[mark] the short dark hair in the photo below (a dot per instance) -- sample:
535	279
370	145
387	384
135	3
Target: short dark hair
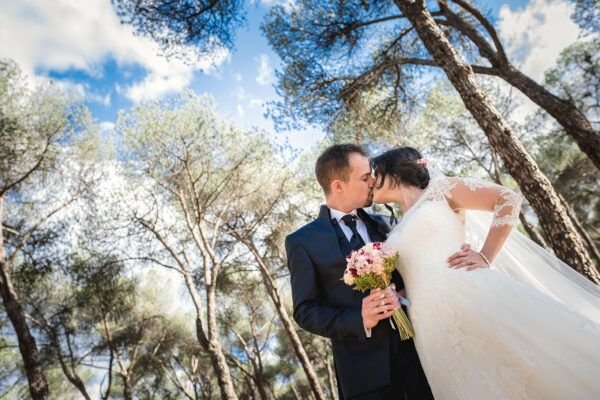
333	163
401	167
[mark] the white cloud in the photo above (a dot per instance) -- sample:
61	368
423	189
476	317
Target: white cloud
255	102
288	4
237	77
156	84
240	93
536	34
105	100
76	90
265	71
64	34
107	126
241	111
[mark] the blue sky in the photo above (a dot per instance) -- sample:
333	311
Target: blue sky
81	46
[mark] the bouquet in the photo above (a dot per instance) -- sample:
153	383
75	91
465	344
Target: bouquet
371	267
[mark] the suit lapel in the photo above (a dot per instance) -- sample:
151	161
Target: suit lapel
343	242
377	230
330	239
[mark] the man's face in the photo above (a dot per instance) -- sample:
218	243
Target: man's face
358	190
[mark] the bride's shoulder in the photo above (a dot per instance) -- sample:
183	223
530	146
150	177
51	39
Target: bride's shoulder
441	187
442	181
447	183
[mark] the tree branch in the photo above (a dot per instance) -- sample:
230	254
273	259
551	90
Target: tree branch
163	241
376	71
111	359
32	169
40	222
487	25
479	69
455	21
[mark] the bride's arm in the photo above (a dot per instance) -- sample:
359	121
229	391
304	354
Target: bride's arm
472	194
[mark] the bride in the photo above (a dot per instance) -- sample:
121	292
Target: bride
527	327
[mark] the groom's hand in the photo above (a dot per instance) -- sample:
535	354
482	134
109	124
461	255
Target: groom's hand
378	305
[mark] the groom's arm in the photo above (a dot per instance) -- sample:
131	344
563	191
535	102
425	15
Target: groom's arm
397	280
309	312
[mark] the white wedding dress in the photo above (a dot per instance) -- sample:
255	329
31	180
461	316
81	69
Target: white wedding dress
488	333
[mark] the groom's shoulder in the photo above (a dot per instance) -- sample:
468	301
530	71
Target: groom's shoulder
378	217
305	230
381	219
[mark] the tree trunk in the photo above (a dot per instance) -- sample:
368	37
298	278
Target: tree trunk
210	342
127	390
259	374
251	388
111	357
536	187
531	231
70	374
331	379
288	325
295	391
261	387
38	386
587	240
564	112
214	347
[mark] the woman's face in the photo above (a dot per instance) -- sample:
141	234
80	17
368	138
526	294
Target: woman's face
385	193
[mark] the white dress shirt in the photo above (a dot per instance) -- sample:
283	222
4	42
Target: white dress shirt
360	225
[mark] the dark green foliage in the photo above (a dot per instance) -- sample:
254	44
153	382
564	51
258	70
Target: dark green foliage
587	14
182	25
341	58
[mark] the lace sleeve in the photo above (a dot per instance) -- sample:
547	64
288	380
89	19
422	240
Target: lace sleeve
474	194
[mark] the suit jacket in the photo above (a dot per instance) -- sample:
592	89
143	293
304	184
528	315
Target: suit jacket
326	306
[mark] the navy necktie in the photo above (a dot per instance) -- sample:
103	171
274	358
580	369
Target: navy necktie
356	241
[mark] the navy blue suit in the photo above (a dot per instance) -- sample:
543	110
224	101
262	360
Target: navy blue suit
375	367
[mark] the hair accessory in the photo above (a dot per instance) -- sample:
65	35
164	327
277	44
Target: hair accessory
423	162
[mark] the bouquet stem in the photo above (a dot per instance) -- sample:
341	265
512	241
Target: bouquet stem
405	328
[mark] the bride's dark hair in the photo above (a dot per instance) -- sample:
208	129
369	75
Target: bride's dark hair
400	165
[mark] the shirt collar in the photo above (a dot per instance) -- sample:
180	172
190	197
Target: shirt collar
337	214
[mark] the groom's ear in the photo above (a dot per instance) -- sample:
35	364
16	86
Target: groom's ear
336	186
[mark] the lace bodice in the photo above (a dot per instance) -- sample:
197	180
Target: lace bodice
506	203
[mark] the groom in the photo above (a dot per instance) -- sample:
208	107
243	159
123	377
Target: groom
371	361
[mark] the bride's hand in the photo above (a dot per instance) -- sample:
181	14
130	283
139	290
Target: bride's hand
467	258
